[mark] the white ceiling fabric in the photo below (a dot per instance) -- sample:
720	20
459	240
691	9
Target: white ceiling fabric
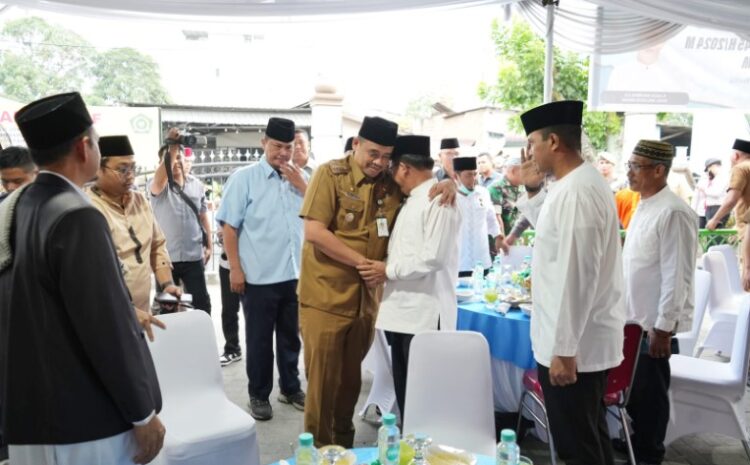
587	28
628	24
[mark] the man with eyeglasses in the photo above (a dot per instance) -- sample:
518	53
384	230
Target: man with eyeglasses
658	263
139	241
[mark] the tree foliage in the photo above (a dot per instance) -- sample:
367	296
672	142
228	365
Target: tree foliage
520	79
118	71
41	59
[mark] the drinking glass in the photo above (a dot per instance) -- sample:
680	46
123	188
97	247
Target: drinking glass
333	454
419	442
491	294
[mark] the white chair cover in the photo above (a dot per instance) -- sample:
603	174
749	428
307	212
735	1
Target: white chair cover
733	266
378	361
688	339
202	425
723	304
449	390
708	396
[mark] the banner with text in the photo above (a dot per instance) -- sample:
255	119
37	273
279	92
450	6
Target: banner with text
698	68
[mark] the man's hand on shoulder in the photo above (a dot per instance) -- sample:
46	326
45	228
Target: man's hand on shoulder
446	187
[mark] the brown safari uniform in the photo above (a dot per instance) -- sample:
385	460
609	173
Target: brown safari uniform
740	180
337	310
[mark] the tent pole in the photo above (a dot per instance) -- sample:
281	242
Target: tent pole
549	55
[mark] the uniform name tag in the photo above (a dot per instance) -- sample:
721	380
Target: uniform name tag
382	227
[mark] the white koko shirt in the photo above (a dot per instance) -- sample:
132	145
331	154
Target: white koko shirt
422	266
577	283
659	262
478	220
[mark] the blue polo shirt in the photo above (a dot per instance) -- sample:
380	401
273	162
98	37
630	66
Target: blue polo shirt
264	208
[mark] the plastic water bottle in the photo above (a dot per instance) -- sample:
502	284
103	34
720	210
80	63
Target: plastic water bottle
388	441
496	269
306	453
477	278
497	265
508	452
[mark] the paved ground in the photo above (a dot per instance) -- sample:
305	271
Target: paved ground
276	437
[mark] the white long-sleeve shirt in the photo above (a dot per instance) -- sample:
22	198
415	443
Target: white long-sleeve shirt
659	263
422	266
576	274
478	220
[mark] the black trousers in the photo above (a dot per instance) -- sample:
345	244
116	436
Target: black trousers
648	405
230	308
193	278
400	343
267	308
577	418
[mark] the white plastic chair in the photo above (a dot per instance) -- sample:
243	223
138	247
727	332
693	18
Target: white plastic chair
449	390
723	305
202	425
688	339
708	396
378	361
516	254
733	266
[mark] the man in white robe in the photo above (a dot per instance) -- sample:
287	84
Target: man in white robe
478	219
659	263
420	291
579	308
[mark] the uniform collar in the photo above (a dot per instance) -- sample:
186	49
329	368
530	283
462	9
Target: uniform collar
359	175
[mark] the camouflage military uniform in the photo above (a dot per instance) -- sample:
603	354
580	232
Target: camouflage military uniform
504	196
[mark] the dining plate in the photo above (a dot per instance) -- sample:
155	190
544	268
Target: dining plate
444	455
464	295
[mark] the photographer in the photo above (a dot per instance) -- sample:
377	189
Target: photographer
179	204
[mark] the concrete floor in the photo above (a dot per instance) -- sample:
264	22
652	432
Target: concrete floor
277	436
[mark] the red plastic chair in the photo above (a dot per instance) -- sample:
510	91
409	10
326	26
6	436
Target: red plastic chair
616	394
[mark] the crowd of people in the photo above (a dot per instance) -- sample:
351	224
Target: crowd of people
320	256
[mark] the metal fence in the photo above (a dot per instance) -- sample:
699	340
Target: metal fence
706	237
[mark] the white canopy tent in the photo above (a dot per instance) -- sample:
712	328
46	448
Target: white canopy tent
591	26
731	15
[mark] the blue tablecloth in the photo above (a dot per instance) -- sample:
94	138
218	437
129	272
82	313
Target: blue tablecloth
507	335
366	455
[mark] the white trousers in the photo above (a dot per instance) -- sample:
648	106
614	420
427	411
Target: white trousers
114	450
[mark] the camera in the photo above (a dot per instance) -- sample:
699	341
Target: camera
188	140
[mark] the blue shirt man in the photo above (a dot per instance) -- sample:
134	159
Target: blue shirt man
263	242
264	209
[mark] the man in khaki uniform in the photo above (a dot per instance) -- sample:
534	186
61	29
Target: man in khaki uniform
738	191
349	210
